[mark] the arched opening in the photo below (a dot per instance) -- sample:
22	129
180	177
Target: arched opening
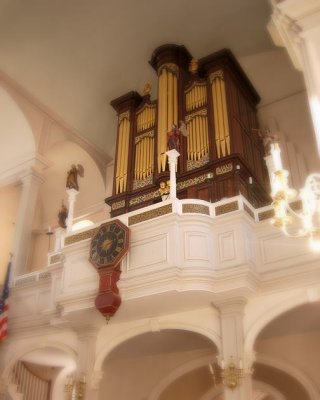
42	373
288	354
168	364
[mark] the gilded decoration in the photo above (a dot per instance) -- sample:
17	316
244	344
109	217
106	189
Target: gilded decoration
193	66
224	169
149	134
192	182
195	208
173	68
25	280
147	89
266	215
124	115
43	276
144	197
201	113
140	183
248	210
226	208
145	216
55	258
216	75
80	236
118	204
193	164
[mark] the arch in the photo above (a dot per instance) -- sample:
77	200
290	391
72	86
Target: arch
268	389
177	373
20	353
294	372
15	128
266	317
131	333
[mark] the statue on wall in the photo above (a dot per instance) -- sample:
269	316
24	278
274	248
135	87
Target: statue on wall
72	176
174	135
62	216
164	190
267	139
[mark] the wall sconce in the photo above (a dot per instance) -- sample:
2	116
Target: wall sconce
230	376
75	388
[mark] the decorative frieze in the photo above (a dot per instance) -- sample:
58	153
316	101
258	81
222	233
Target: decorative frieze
145	216
226	208
224	169
118	204
80	236
195	208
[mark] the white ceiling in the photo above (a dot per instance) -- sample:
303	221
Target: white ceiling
77	55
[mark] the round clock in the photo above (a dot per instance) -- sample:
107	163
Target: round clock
109	244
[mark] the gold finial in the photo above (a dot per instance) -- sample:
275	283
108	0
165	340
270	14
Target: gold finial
193	66
146	89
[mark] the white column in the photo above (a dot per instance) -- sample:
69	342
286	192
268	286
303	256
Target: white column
231	314
86	359
72	195
295	24
173	162
58	236
23	225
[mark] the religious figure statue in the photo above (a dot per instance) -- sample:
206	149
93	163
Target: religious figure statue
62	216
72	176
173	136
268	139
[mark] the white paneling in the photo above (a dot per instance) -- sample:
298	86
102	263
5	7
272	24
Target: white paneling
196	246
148	252
227	250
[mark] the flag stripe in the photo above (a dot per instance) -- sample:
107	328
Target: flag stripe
4	307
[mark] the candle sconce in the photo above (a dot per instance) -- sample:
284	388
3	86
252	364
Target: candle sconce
75	388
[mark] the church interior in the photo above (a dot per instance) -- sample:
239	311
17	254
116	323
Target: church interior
160	199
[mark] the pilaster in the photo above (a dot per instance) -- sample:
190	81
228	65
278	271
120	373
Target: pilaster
231	315
31	182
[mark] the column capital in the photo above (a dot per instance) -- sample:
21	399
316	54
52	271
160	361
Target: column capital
231	305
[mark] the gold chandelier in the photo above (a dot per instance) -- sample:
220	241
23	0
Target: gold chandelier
230	376
282	196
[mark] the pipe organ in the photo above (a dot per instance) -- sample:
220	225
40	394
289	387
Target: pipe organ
221	154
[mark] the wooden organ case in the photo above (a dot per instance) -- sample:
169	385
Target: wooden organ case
221	155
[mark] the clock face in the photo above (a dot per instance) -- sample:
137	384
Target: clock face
109	244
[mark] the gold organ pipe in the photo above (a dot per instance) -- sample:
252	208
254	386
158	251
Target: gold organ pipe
170	101
160	105
119	158
145	158
202	136
220	117
225	116
216	120
140	160
165	119
175	99
194	140
126	153
188	141
205	119
135	160
152	153
198	137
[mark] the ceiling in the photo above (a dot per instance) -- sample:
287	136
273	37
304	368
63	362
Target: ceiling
75	56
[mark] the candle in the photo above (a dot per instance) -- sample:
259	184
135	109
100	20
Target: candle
276	157
211	369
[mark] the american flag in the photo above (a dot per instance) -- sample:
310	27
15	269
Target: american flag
4	306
